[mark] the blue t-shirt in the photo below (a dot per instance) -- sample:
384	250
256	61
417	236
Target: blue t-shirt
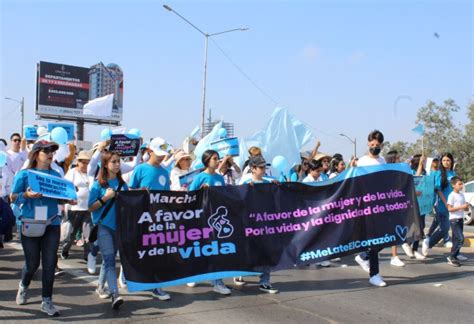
255	181
97	191
27	210
446	191
206	178
151	177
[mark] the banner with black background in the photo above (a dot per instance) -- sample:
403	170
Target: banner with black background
169	238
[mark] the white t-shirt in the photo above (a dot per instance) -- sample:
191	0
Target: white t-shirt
309	178
369	161
81	182
174	178
456	200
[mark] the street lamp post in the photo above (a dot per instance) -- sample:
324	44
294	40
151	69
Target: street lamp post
22	110
354	143
206	36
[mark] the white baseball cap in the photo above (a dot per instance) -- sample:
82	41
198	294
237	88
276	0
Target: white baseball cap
159	146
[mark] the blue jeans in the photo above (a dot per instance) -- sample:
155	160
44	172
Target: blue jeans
265	277
443	231
46	249
458	236
108	248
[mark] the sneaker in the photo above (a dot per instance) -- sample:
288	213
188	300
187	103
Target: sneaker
268	289
117	301
395	261
103	292
448	244
91	264
48	308
419	256
191	284
425	246
377	280
21	297
239	281
160	294
408	250
336	260
452	261
461	257
222	289
58	271
324	264
64	255
364	264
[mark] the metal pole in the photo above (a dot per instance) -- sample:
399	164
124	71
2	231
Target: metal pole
22	113
355	147
203	112
80	130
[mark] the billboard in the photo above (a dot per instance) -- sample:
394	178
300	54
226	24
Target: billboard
63	90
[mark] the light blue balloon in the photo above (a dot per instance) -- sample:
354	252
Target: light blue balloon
280	163
3	159
222	132
134	133
59	135
105	134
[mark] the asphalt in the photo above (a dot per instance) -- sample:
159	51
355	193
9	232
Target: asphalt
429	291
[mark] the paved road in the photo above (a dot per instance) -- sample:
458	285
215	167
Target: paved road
422	292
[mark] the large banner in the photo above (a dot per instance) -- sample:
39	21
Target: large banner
169	238
62	89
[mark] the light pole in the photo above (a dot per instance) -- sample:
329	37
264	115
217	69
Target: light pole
22	110
354	143
206	36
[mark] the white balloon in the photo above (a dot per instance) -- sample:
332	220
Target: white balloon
41	130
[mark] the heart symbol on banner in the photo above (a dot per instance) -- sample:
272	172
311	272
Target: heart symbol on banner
226	230
402	232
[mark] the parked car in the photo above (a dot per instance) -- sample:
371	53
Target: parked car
469	194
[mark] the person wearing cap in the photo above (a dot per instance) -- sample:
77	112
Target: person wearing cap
258	166
34	205
181	167
208	178
152	176
79	215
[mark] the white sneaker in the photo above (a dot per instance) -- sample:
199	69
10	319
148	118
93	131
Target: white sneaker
364	264
395	261
377	281
419	256
448	244
408	250
222	289
160	294
425	246
239	281
324	264
336	260
191	284
461	257
91	264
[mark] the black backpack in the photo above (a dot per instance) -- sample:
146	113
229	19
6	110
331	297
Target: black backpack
7	219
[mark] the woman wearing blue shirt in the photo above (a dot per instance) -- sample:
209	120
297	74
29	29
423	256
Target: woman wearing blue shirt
208	178
443	189
109	181
34	205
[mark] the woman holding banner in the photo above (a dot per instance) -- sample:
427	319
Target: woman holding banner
209	177
36	247
102	206
181	167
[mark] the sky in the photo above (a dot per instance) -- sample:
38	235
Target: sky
340	66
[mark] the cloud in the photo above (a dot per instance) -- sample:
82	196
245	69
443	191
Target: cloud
311	52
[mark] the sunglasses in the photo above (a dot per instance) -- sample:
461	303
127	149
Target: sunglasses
16	140
47	150
83	161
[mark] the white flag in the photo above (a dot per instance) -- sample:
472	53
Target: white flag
100	107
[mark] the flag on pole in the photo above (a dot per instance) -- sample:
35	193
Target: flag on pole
100	107
420	129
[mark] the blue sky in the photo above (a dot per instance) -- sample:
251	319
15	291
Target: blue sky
338	65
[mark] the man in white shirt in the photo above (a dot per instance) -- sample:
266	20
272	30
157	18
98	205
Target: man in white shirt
370	261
